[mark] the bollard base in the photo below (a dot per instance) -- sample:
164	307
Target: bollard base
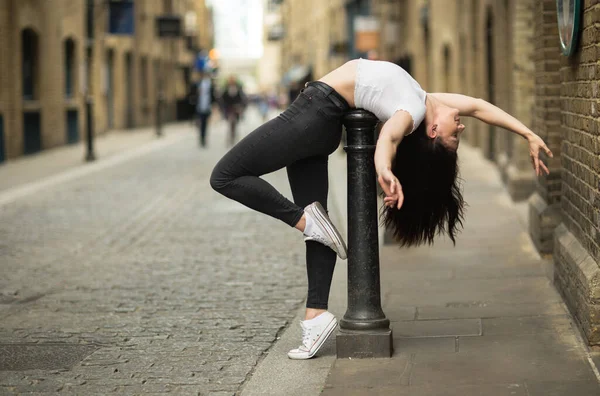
364	344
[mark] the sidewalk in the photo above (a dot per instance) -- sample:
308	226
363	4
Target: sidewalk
48	163
481	318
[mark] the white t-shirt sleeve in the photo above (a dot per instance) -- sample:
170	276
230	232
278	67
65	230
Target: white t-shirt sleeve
416	109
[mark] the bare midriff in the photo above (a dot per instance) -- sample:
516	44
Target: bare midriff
343	80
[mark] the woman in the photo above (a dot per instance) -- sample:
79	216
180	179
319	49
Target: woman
415	160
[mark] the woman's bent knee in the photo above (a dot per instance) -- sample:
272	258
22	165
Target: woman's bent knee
218	180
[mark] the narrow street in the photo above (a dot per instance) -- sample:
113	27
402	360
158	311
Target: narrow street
139	278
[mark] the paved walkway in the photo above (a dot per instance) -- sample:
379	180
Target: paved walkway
481	318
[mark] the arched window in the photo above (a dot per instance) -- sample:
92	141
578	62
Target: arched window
30	66
69	68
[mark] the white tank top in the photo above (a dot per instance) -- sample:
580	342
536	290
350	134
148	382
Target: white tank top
383	88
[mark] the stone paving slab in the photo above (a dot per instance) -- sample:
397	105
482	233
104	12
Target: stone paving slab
528	325
430	345
436	292
484	390
437	328
494	359
488	309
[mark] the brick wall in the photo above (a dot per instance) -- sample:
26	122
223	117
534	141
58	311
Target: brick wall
581	143
577	239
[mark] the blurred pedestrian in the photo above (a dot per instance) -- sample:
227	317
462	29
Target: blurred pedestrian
234	103
204	100
415	160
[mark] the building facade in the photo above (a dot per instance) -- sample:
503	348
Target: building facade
56	53
268	70
507	52
315	34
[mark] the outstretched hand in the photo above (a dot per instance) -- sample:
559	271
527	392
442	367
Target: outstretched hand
535	145
392	189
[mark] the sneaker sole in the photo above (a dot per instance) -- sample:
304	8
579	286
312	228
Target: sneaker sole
320	215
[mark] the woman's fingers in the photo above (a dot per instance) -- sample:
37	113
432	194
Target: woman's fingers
544	167
400	199
536	164
547	150
390	202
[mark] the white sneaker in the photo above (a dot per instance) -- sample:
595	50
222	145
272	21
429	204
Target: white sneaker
314	336
323	231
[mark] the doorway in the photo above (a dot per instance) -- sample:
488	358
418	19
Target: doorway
32	136
72	127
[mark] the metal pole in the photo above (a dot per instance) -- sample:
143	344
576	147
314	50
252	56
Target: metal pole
158	113
364	330
89	123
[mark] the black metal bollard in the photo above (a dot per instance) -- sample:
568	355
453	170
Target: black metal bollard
364	331
89	127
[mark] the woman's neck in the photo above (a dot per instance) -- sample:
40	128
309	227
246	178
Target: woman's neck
431	105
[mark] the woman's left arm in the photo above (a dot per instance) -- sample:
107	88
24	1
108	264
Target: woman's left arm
490	114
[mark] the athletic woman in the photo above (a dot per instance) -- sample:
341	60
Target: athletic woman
415	161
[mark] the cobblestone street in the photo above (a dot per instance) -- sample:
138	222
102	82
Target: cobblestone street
139	278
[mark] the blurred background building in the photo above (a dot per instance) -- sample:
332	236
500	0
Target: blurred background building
505	51
53	53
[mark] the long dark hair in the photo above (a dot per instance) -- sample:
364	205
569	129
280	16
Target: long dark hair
433	202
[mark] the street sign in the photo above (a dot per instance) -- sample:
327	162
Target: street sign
168	26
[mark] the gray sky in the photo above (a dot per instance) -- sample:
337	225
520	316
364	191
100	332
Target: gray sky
238	27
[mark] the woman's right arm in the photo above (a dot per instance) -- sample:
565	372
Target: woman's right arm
390	137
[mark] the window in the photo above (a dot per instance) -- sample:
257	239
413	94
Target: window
69	67
121	17
29	53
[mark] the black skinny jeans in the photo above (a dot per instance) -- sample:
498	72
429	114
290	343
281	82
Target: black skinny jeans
299	139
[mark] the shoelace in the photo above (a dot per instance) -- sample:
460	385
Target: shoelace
319	238
306	336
